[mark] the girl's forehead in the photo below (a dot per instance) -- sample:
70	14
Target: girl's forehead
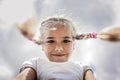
59	27
53	29
59	32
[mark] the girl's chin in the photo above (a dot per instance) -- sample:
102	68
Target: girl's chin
59	59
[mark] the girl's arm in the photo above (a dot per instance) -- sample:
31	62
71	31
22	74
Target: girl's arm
88	75
27	74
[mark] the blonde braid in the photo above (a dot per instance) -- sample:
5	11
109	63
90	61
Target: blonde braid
86	36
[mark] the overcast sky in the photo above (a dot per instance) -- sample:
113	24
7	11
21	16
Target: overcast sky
87	15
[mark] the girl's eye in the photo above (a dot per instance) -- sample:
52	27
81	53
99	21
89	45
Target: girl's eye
50	41
66	41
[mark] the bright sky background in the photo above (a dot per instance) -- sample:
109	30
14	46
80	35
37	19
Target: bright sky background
87	15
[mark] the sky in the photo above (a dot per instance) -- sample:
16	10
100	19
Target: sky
87	16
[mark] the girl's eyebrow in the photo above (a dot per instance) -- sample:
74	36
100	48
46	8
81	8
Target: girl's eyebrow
66	37
50	37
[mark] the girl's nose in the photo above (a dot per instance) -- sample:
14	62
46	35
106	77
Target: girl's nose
59	48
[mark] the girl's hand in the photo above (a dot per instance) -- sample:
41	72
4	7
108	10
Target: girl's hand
89	75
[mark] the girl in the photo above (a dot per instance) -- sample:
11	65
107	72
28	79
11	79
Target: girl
57	41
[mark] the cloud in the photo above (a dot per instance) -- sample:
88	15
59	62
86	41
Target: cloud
12	11
90	12
7	71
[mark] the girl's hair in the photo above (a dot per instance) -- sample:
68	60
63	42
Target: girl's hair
54	21
112	34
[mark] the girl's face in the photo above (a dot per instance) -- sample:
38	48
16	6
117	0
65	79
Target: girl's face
58	44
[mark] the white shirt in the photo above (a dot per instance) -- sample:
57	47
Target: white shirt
47	70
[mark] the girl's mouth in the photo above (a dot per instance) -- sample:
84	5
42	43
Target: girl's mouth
59	54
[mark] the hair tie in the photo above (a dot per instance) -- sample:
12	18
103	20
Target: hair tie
94	35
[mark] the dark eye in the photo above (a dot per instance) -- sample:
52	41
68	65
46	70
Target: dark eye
50	41
66	41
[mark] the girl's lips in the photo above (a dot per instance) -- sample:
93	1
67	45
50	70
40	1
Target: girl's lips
58	54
